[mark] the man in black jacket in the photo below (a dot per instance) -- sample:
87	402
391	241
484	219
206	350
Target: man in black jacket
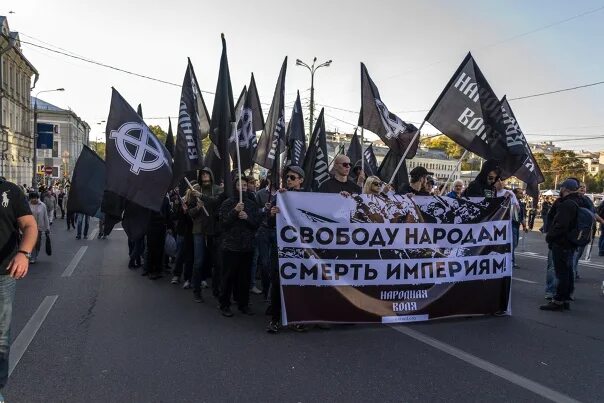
239	222
564	221
484	183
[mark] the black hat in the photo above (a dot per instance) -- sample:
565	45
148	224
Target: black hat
418	172
295	169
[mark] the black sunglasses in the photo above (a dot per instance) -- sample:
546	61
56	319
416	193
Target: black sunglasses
377	183
292	177
345	164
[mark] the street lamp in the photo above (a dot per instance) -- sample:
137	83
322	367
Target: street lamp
34	182
312	70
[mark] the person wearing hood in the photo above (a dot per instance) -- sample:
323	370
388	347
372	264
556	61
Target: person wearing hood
203	209
484	183
239	222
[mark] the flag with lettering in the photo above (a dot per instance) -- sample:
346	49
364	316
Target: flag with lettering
354	151
520	163
469	113
272	138
187	152
139	167
376	117
371	165
249	119
223	115
316	163
295	137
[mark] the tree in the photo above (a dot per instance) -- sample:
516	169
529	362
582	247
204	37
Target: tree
99	148
442	142
159	133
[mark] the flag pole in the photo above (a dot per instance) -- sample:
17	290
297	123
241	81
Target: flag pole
362	154
454	170
334	157
191	187
234	132
400	163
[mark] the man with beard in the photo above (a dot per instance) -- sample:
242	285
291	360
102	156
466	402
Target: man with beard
239	222
418	182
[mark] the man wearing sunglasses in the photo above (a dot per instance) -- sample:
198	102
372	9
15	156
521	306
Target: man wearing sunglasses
294	177
484	183
340	182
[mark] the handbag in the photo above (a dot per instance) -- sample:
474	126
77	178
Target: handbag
48	245
170	245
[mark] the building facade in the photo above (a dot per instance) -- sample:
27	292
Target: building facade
70	135
16	127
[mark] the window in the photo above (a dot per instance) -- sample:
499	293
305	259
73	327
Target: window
55	149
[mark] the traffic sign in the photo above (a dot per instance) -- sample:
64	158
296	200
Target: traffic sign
48	170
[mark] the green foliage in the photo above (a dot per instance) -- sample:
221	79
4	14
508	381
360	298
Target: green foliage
445	144
98	147
159	133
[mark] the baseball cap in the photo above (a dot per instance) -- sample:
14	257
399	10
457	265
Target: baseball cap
295	169
418	172
571	184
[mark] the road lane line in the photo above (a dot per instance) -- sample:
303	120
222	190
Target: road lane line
93	234
21	343
496	370
74	262
581	262
523	280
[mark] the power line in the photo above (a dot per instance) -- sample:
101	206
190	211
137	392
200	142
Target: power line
557	91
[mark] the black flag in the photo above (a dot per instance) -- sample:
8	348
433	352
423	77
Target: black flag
188	153
520	163
138	164
249	120
272	138
469	113
139	110
295	137
87	184
354	151
387	168
376	117
170	139
316	163
371	166
223	114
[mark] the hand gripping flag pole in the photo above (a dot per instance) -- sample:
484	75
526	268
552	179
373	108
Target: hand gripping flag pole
191	187
444	188
400	163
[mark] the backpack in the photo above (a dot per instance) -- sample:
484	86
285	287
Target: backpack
582	233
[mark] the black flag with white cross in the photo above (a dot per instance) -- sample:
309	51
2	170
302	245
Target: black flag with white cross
376	117
248	113
316	162
520	162
295	137
187	152
138	165
469	113
272	138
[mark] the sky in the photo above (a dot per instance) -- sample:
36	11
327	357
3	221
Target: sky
411	49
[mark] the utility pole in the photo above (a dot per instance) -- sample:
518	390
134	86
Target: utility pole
312	70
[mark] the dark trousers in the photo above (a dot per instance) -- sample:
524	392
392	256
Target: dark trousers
70	220
184	257
265	238
136	250
62	209
214	253
235	278
563	266
275	285
7	296
155	251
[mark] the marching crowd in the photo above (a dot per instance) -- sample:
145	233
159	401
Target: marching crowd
224	244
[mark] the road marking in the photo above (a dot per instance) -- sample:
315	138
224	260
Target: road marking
581	262
523	280
19	346
496	370
93	234
74	262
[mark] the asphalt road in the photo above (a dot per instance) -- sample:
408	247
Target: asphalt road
110	335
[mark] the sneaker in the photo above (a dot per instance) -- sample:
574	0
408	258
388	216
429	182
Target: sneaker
131	264
78	237
273	327
256	291
553	306
144	273
246	311
186	285
566	305
299	328
197	297
226	311
204	284
175	280
85	236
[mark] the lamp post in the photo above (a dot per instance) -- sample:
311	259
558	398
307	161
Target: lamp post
34	181
312	70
